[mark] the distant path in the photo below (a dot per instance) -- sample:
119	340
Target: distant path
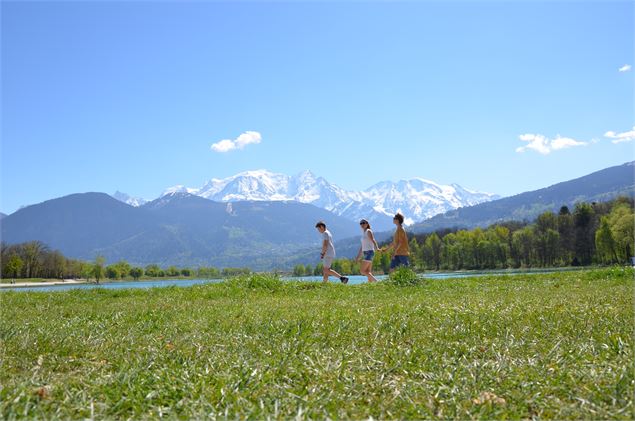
42	284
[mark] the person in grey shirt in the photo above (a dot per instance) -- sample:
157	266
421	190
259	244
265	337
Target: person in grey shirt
328	253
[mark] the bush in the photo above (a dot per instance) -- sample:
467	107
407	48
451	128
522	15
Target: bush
257	281
404	277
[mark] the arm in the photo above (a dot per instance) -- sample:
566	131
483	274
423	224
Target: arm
372	238
359	254
390	246
325	244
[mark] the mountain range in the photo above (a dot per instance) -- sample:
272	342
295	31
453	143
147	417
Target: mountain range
184	229
417	198
176	229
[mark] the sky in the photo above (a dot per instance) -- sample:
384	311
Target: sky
501	97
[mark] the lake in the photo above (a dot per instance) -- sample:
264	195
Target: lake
353	280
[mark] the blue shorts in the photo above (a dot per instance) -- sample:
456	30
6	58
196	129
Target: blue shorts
369	254
399	261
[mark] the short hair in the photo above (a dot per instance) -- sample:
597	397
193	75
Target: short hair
399	217
320	224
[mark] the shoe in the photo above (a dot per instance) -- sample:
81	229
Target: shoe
344	279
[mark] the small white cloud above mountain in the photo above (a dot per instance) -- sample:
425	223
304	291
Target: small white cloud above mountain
543	145
628	136
624	68
247	138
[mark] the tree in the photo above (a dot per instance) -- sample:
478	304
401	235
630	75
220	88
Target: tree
153	271
123	268
298	270
98	268
433	247
583	222
523	243
346	266
604	242
381	261
172	271
500	238
87	271
236	271
14	266
53	264
546	238
308	270
415	253
208	272
32	255
186	272
567	238
136	273
622	225
112	272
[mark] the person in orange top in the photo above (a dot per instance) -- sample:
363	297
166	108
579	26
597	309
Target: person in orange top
399	246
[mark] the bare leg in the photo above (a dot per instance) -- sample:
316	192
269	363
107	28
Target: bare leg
328	271
365	269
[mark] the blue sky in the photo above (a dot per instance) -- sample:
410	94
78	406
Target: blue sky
131	96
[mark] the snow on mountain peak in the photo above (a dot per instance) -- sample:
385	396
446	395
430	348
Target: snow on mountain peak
179	189
126	198
417	198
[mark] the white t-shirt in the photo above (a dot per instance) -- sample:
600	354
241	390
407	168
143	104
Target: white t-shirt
330	249
367	243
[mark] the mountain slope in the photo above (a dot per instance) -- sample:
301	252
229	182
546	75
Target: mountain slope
76	224
129	200
179	229
599	186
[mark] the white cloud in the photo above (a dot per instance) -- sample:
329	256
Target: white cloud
625	68
628	136
565	142
240	142
544	145
224	145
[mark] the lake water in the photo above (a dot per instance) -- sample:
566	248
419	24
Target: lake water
353	280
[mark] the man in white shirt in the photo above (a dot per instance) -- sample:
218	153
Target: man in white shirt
328	253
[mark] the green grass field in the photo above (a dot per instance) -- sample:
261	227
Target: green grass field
547	345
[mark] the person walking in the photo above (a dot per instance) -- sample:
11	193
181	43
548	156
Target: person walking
328	253
367	251
400	247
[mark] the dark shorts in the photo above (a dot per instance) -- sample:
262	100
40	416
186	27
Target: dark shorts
399	261
368	255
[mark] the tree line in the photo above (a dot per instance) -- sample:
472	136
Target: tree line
593	233
35	259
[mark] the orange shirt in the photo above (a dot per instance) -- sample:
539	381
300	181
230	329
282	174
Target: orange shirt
404	248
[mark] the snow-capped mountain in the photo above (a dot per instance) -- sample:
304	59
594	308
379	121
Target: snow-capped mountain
132	201
417	199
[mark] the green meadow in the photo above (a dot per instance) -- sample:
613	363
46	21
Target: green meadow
556	346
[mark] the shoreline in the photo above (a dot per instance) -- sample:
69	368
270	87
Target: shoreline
42	284
456	272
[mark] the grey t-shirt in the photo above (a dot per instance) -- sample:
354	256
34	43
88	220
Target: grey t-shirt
330	249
